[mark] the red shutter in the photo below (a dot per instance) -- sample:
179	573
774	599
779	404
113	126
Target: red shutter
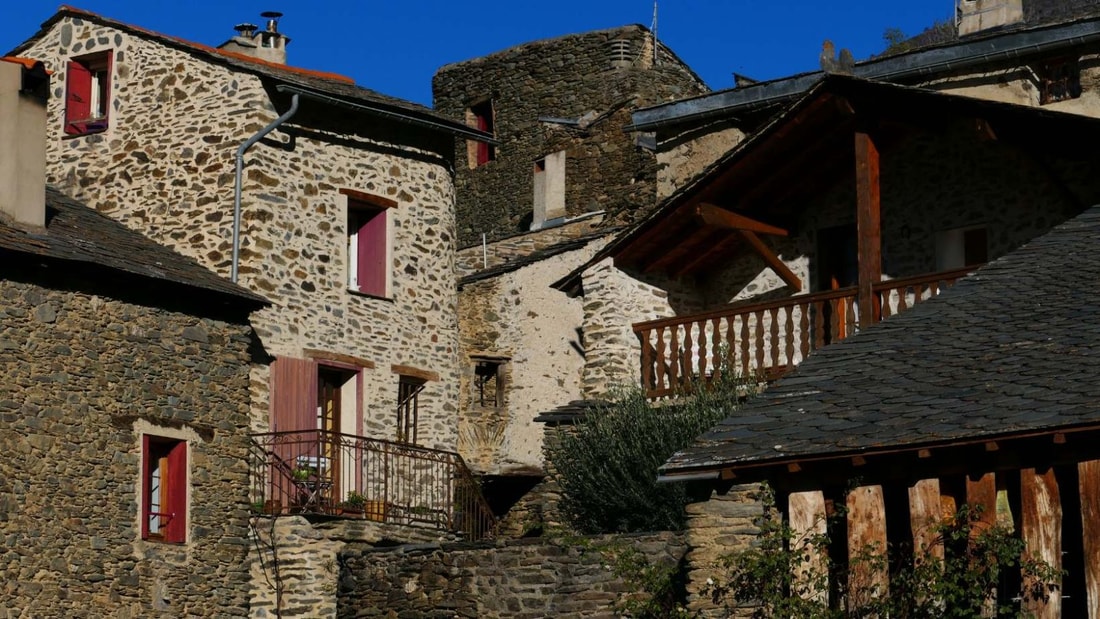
146	467
175	503
293	394
78	97
372	253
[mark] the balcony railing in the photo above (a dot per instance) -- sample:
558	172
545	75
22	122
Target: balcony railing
765	340
318	472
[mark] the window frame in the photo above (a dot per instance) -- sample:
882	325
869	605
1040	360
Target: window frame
172	489
1059	79
481	115
363	210
88	88
408	407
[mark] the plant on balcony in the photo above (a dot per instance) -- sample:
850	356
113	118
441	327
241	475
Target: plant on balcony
302	473
607	467
355	501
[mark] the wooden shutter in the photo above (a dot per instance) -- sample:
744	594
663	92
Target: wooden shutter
78	97
372	253
175	500
293	394
146	476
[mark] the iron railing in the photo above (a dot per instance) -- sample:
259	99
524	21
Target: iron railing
765	340
320	472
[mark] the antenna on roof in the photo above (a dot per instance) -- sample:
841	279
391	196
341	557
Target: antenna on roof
654	31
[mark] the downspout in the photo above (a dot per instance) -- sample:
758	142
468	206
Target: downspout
239	181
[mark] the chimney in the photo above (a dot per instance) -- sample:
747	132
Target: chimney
24	87
269	44
977	15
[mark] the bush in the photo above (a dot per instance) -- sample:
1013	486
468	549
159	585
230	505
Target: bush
607	468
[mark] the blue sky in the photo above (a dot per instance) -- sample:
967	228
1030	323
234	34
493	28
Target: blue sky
394	46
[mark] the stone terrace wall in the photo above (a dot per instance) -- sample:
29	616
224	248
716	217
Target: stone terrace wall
523	579
82	376
164	166
566	77
478	258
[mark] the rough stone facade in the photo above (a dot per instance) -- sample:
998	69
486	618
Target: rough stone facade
534	331
718	527
85	370
584	86
164	166
521	579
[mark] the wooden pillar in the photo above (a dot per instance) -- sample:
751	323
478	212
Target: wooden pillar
1088	474
925	515
868	572
1041	529
981	493
868	225
806	512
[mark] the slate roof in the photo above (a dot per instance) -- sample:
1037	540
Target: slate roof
77	233
1009	350
538	255
323	82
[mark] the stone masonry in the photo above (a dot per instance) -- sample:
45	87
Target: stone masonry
584	87
164	166
85	370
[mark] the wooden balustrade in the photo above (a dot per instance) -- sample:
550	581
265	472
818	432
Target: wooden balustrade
764	340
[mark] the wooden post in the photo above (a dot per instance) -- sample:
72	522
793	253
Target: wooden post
1041	528
981	493
1088	474
868	571
806	511
868	225
925	514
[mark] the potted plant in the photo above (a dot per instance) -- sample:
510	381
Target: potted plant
302	473
354	503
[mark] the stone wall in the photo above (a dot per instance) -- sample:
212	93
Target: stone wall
480	257
520	579
571	78
517	316
164	166
718	527
85	371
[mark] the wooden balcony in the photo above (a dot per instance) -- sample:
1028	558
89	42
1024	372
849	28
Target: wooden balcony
765	340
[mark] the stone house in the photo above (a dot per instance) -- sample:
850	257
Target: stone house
858	202
1030	52
332	200
985	395
562	178
124	403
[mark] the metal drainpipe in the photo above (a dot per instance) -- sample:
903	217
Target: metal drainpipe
239	181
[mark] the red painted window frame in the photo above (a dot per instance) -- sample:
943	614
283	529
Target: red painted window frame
78	92
368	218
483	120
174	491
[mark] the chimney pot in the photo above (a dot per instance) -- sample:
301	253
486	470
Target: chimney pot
272	18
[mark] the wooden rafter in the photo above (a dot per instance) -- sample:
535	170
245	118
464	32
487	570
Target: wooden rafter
718	217
771	259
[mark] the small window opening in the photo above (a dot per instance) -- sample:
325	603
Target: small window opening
489	382
88	93
1059	80
164	489
962	247
480	116
368	255
408	408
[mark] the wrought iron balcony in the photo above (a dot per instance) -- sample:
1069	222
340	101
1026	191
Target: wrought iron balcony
341	475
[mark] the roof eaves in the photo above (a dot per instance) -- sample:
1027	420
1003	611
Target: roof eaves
923	62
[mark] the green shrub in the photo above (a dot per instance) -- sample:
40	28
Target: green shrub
607	467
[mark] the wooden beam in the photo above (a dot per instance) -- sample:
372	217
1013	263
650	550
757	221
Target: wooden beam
772	260
1088	476
806	514
719	217
1041	530
925	515
866	538
981	493
868	225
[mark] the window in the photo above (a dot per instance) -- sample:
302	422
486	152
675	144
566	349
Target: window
549	183
480	116
88	93
408	409
368	256
489	381
961	247
164	489
1059	80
